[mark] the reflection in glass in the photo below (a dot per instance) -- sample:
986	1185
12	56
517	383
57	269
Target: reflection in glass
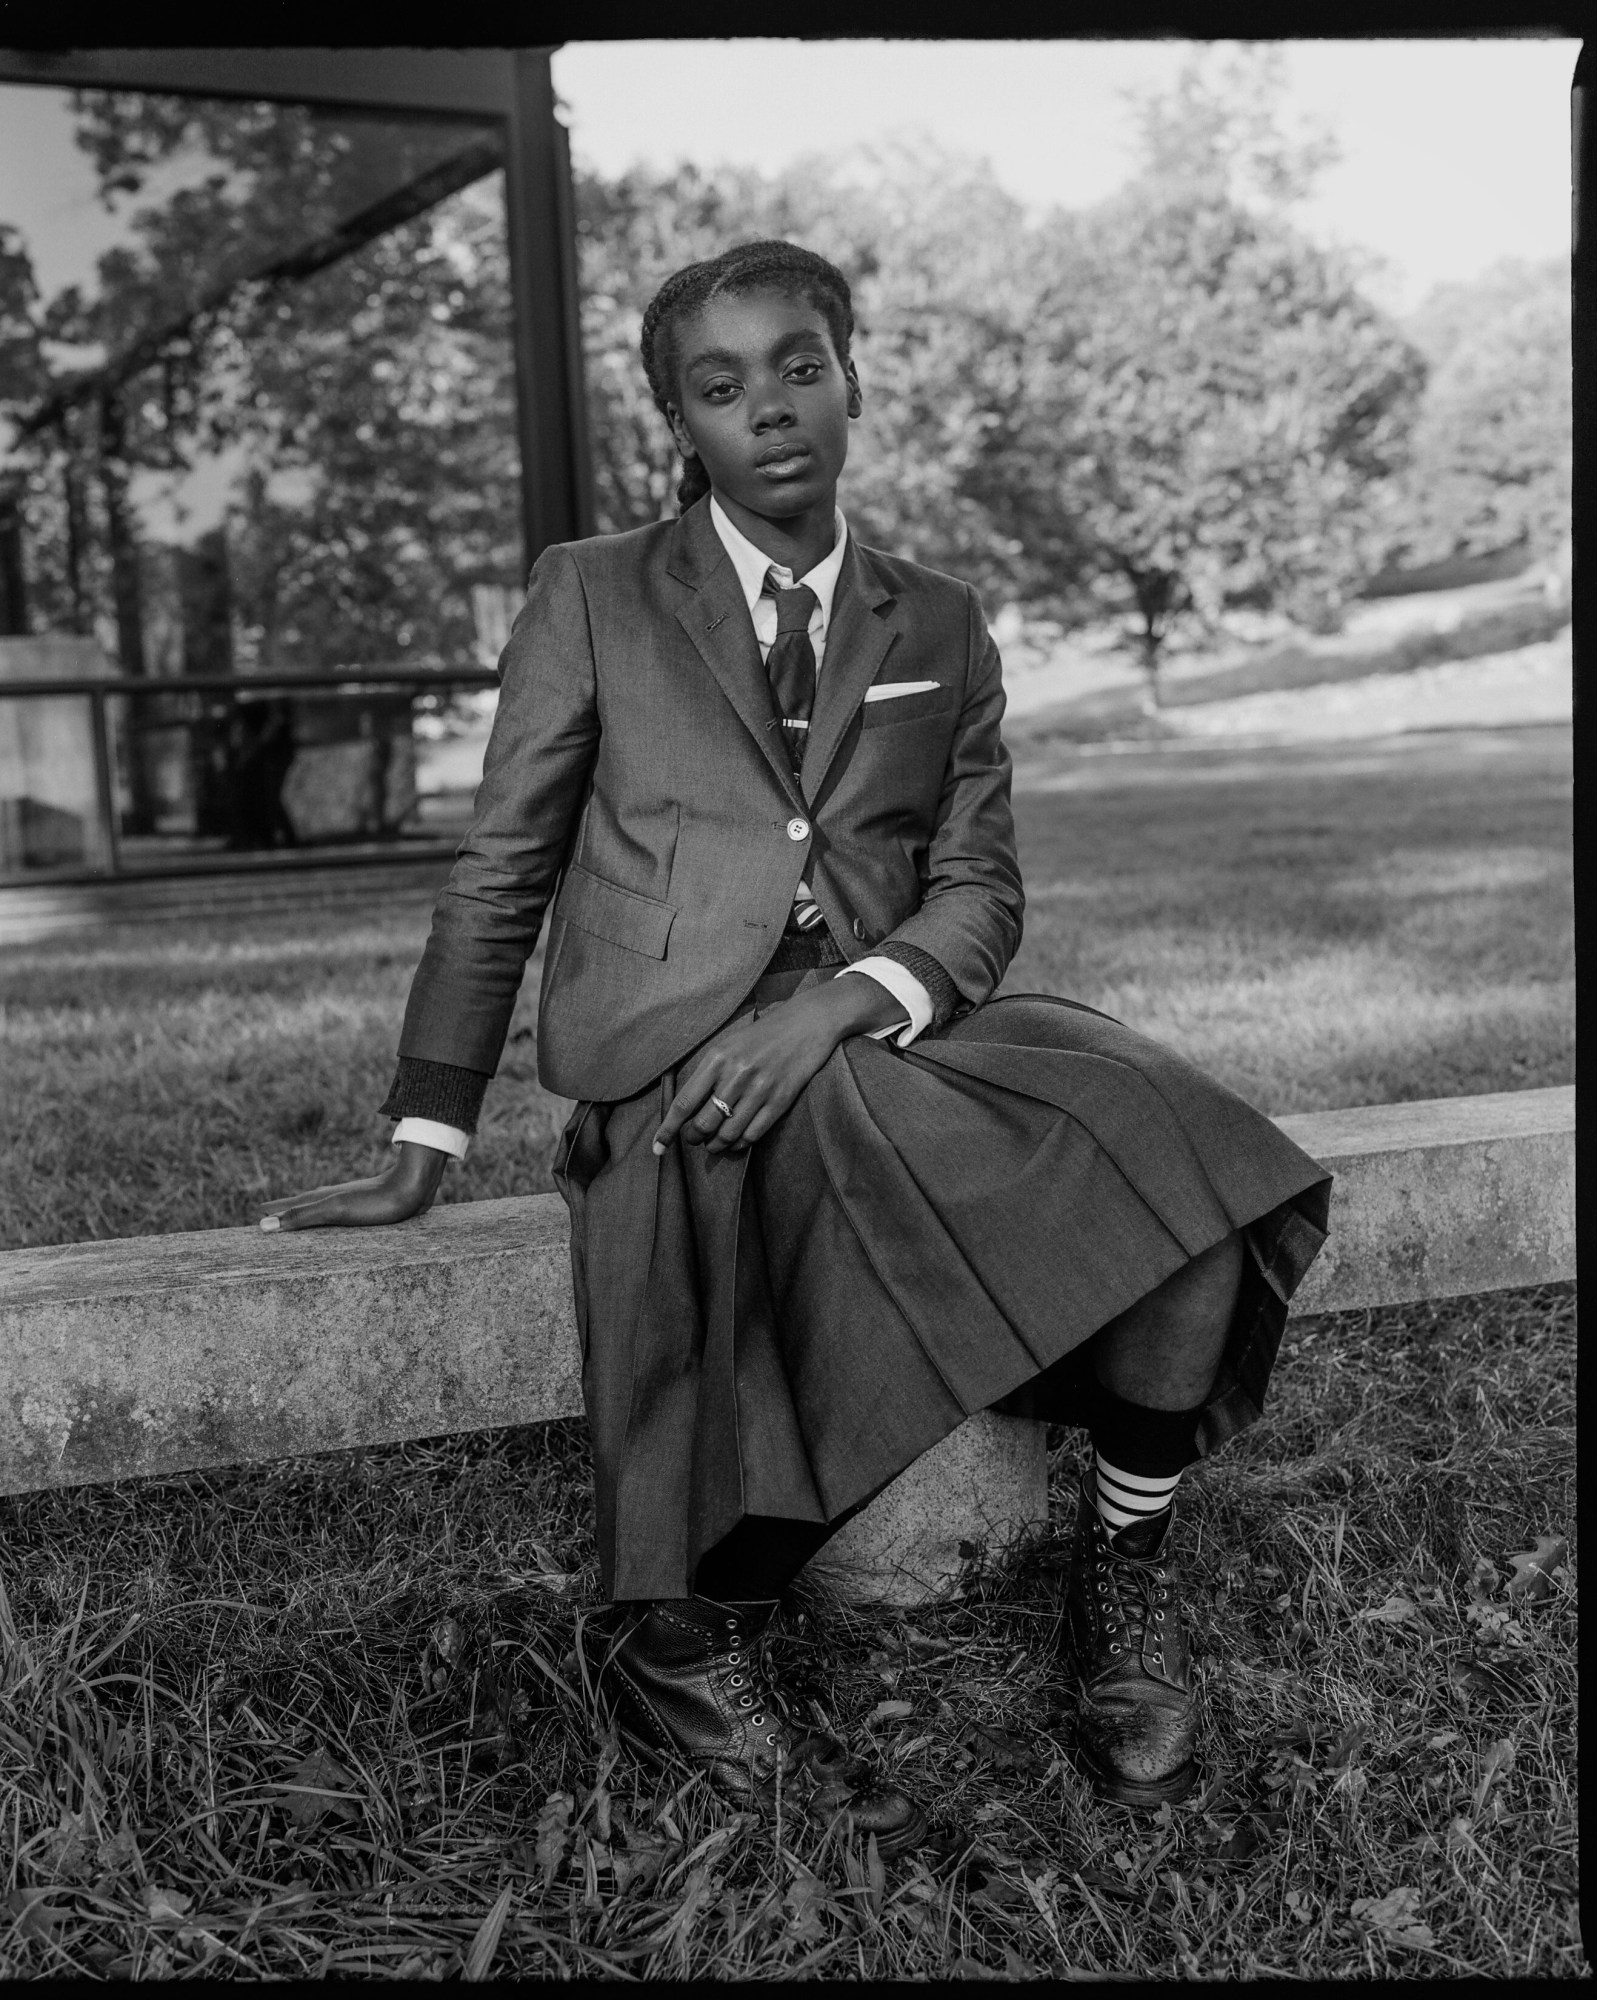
273	435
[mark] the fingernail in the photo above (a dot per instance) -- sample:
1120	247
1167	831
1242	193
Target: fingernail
659	1150
271	1222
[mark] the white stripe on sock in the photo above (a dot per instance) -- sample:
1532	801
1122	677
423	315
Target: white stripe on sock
1124	1497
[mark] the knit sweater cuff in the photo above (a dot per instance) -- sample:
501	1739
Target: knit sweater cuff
944	995
440	1091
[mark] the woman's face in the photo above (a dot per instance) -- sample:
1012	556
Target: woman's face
764	402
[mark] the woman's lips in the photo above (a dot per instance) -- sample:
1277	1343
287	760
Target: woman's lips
782	463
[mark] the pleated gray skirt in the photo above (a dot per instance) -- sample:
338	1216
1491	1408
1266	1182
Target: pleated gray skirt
781	1332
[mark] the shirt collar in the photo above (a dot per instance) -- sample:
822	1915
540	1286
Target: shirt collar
751	563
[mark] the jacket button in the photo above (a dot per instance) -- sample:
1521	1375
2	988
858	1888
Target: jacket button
798	829
860	931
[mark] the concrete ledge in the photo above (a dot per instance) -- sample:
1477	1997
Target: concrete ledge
162	1354
1443	1197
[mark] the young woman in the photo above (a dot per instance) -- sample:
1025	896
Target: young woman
828	1196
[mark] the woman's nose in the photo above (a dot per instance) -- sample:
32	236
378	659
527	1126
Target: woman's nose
771	410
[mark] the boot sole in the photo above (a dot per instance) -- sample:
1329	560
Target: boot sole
888	1845
1142	1791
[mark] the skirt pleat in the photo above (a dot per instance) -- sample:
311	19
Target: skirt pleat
927	1233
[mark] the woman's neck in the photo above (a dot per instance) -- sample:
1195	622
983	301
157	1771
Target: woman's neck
798	541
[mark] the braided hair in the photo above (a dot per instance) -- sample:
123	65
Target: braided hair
770	265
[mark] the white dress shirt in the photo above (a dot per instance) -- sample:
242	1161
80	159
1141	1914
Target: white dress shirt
752	565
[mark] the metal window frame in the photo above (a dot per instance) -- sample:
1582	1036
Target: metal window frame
514	87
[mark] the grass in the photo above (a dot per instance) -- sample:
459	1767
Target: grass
1342	927
308	1718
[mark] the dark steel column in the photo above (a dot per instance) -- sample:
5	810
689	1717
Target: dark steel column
556	475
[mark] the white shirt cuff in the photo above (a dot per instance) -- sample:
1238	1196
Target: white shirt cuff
428	1132
906	989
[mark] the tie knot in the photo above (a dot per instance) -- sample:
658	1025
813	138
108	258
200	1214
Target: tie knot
794	608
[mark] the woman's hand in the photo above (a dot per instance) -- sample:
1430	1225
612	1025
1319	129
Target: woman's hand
754	1070
402	1189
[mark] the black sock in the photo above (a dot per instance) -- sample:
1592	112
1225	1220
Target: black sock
1153	1443
759	1558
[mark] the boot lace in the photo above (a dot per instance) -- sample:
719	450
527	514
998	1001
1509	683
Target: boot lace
1134	1603
751	1693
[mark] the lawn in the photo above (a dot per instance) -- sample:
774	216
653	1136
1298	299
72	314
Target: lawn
1318	927
309	1717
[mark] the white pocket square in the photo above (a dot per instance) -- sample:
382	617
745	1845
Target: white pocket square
890	690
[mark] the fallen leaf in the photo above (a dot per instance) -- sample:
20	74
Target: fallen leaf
486	1942
1497	1763
1533	1569
804	1903
639	1863
1443	1739
1396	1918
33	1914
1397	1610
166	1906
891	1711
1239	1843
1346	1747
313	1787
1001	1748
554	1830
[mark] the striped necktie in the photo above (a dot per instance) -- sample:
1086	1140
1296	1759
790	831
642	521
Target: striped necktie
790	664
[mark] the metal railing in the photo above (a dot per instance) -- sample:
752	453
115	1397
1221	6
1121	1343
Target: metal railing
193	853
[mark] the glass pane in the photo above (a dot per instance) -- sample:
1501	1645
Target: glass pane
256	419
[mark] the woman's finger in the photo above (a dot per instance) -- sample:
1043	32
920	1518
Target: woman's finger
687	1104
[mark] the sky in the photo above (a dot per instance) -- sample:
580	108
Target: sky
1454	153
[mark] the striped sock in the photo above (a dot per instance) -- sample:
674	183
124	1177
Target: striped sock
1128	1497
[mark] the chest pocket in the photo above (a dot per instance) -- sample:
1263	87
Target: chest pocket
899	709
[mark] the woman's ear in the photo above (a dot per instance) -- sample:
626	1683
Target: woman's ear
856	395
679	432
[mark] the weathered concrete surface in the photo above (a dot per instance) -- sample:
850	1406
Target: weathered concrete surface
165	1354
1443	1197
982	1486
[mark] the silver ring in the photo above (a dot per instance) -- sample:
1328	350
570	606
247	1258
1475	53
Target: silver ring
722	1106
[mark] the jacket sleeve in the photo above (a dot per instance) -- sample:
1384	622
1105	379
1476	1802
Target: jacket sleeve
969	920
535	776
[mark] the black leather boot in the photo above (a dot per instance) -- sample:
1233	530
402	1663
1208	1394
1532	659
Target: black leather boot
685	1680
1137	1714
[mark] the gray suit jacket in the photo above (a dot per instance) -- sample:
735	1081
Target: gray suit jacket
635	775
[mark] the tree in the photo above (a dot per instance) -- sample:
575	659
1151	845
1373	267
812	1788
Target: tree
1492	461
1218	408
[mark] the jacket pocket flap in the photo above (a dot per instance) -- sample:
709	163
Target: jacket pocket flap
619	916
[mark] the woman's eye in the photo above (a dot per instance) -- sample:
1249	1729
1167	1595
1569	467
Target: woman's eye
804	371
718	392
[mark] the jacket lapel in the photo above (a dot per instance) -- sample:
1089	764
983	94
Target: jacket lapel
857	641
717	620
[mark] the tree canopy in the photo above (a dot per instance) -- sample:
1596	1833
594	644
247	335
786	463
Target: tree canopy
1172	406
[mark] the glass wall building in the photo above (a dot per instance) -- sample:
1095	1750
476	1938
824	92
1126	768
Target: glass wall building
290	397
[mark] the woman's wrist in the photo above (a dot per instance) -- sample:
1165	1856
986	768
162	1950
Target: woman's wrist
856	1007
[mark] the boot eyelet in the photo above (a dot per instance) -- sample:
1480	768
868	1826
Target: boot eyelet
736	1681
759	1721
745	1701
1114	1649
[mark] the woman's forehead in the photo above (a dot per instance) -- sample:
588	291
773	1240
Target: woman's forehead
738	325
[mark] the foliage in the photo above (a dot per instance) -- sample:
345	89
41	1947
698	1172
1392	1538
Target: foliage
1493	448
1170	408
1215	408
355	429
